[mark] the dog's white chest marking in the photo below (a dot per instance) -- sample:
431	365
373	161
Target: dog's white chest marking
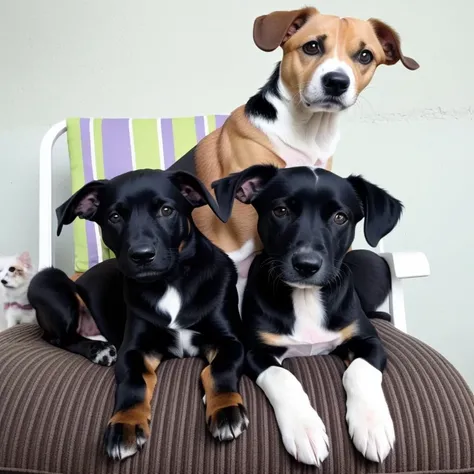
170	304
300	138
184	344
242	259
309	337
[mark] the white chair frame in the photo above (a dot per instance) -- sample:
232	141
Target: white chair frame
403	265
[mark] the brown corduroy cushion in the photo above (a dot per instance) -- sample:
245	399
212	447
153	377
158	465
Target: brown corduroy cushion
54	407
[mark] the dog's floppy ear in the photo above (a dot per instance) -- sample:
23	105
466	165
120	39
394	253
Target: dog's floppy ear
390	41
244	186
381	210
275	29
194	191
83	204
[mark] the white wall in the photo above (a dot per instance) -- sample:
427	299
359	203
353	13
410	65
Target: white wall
411	132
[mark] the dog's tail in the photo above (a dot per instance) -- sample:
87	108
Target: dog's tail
372	282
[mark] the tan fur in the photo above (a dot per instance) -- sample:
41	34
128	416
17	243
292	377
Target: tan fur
217	401
277	339
238	144
140	414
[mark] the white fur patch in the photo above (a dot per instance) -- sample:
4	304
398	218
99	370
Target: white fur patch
184	346
309	336
300	137
368	417
170	303
302	430
315	91
106	356
242	259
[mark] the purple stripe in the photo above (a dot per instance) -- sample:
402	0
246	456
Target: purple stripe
220	119
88	176
116	147
167	141
200	129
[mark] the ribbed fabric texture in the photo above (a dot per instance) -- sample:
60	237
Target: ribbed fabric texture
54	407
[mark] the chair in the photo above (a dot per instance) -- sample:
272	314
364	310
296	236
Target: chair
55	405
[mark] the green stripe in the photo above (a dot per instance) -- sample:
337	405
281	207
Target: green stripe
145	141
211	123
99	167
99	153
184	135
81	256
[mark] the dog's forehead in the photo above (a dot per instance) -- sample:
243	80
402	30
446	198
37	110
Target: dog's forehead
310	181
141	186
336	32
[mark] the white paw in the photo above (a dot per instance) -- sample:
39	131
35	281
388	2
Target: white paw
104	354
303	433
368	417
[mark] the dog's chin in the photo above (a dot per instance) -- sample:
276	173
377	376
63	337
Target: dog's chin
146	275
315	282
327	104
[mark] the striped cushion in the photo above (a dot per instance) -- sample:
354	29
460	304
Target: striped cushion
104	148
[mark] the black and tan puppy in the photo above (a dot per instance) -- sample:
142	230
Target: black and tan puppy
303	297
169	293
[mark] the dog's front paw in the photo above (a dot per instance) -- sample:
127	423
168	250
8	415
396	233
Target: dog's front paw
303	433
368	417
103	353
228	423
123	440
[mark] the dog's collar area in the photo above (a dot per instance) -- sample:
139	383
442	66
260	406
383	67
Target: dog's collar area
14	304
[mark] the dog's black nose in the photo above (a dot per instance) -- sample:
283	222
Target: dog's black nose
145	254
306	264
4	282
335	83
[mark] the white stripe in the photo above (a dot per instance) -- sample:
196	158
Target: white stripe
132	144
98	238
206	126
160	144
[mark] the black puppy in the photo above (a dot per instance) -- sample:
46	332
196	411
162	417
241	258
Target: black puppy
169	293
301	299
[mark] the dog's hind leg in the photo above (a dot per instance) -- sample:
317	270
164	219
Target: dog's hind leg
53	295
372	282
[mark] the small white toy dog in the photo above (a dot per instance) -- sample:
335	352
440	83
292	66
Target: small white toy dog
15	276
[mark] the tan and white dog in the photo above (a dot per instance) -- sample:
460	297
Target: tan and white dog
294	119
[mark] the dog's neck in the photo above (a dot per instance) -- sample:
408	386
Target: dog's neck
300	137
17	297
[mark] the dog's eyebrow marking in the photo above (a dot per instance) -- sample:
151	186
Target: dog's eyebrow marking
362	45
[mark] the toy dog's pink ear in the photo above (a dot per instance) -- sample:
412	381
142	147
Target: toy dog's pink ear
25	259
275	29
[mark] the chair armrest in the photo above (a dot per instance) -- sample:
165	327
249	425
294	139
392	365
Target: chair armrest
407	264
403	265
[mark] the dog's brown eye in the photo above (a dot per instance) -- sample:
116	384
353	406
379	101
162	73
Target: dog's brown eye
365	57
114	217
166	211
340	218
11	269
312	48
280	211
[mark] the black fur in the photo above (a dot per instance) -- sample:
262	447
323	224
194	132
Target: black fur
145	218
258	105
306	222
